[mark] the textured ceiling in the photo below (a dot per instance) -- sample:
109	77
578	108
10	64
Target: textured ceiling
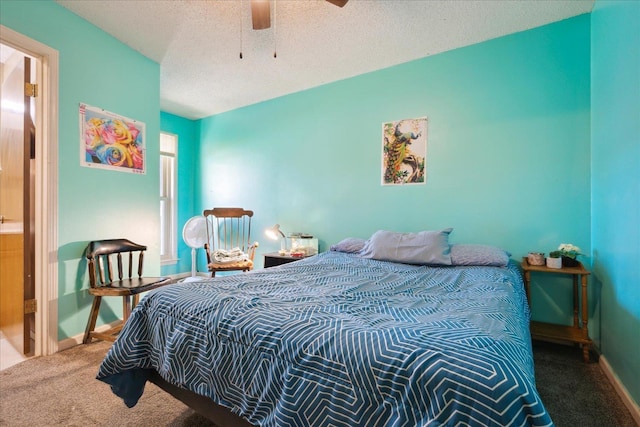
198	42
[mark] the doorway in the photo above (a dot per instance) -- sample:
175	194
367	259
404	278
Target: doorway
17	205
41	161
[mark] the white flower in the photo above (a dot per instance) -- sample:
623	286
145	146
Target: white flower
568	247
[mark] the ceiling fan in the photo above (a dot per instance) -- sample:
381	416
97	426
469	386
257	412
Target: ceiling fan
261	12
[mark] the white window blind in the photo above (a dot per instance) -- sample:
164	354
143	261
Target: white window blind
168	198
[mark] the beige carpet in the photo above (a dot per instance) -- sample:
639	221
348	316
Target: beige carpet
53	397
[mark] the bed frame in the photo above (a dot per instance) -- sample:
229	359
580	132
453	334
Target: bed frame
221	416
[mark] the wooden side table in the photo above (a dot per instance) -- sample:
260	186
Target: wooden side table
274	258
578	332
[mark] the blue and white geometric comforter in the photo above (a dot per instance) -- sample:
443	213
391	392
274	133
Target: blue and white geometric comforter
343	341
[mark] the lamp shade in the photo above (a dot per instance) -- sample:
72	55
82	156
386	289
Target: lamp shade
274	233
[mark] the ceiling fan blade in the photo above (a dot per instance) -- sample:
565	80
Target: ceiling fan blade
339	3
261	14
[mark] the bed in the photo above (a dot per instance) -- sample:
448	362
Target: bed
338	339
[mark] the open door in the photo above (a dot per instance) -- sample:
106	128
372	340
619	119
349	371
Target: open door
29	214
17	177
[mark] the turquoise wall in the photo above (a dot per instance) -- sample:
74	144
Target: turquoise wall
187	132
615	182
508	160
98	70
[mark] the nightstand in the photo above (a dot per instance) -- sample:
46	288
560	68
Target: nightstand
576	333
274	258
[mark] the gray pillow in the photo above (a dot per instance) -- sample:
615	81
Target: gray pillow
474	254
423	248
349	245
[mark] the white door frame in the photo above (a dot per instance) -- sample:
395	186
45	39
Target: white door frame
46	197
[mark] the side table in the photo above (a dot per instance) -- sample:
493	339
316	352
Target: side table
274	258
578	332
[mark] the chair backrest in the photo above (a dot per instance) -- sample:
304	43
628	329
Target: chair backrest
228	228
99	254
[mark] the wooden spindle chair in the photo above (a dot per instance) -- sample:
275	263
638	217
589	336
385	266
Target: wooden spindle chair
102	281
229	228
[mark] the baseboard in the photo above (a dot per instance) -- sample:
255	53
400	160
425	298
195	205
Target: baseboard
628	401
186	277
75	340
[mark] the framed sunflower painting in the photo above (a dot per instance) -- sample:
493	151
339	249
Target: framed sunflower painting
111	141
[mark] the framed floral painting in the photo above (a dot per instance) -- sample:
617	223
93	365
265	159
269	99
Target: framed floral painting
404	152
111	141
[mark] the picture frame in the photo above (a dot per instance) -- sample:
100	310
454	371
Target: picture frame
404	152
111	141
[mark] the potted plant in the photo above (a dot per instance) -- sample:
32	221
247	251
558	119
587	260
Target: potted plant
568	253
554	260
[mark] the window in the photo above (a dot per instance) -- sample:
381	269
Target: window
168	198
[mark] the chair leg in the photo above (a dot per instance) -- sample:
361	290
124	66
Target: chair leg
93	316
126	308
